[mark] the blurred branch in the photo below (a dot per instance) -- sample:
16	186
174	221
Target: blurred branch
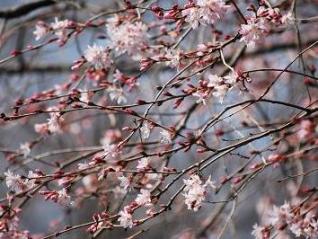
24	9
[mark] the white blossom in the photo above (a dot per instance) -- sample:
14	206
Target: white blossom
219	92
127	37
63	198
145	130
84	97
98	56
201	97
82	166
40	31
205	12
17	184
253	31
117	94
14	181
288	19
282	214
25	149
124	183
296	229
174	57
143	198
165	137
125	219
54	124
143	163
258	231
59	27
231	78
110	151
195	191
214	80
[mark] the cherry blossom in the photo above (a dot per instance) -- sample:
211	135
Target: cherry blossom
258	231
124	183
165	137
117	94
119	110
111	151
127	37
25	149
143	163
195	191
98	56
145	130
17	184
253	31
205	12
125	218
60	28
144	198
41	30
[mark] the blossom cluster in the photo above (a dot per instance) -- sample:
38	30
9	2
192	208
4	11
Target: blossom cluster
299	220
195	191
204	12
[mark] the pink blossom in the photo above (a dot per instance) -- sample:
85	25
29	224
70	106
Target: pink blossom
98	56
253	31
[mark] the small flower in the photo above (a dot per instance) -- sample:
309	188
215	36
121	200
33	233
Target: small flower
117	94
127	37
195	191
205	12
143	198
173	57
220	92
82	166
201	95
54	124
296	228
98	56
231	78
125	218
124	183
85	97
258	231
253	31
214	80
281	215
165	137
210	183
306	130
60	27
40	31
111	151
14	181
63	198
25	149
143	163
288	19
30	181
145	130
41	128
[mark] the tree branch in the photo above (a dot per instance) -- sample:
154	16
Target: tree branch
24	9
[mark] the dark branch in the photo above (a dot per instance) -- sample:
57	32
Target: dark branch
24	9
